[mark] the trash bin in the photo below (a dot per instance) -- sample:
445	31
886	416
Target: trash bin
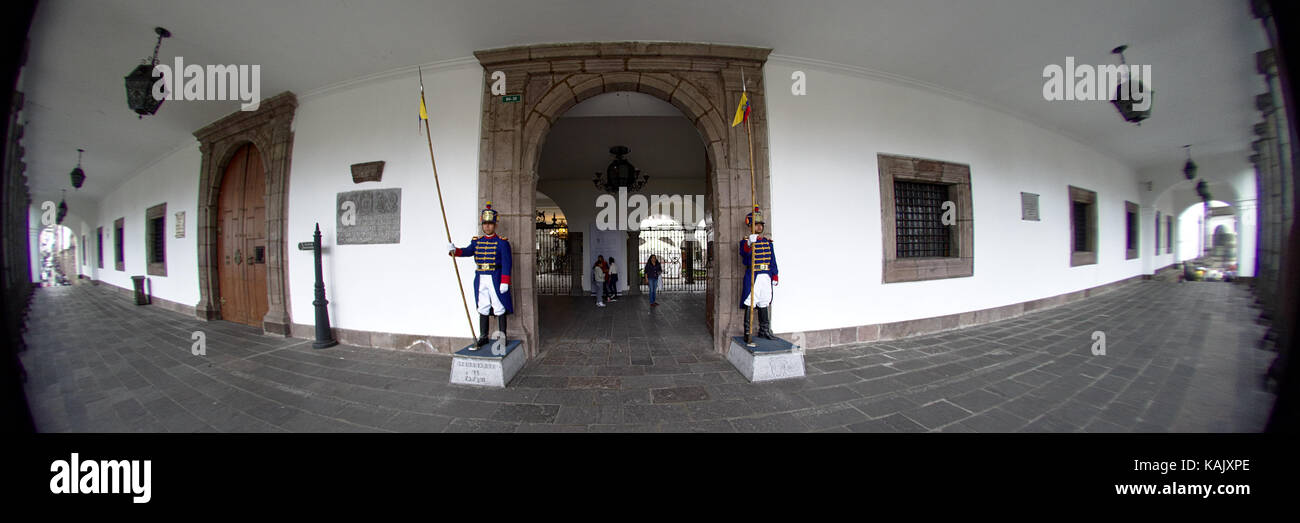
140	297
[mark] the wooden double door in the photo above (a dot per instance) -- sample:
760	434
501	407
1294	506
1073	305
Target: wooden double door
241	234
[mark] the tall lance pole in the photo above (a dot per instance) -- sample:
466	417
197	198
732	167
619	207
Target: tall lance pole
429	138
753	224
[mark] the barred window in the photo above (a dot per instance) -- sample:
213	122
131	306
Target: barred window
1081	243
99	245
119	247
155	240
1083	226
1157	233
1169	234
1130	230
916	243
920	231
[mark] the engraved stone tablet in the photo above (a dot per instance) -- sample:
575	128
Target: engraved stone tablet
180	224
367	172
489	366
368	217
1029	206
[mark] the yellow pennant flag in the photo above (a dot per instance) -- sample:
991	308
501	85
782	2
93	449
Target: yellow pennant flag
424	114
742	110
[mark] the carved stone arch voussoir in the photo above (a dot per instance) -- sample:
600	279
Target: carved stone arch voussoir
702	80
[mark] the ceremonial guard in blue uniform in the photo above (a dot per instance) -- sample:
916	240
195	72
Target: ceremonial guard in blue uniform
491	275
764	276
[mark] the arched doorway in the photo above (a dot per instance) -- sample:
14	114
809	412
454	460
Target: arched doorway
269	131
703	81
623	222
58	256
241	234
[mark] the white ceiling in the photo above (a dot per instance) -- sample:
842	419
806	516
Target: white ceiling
990	51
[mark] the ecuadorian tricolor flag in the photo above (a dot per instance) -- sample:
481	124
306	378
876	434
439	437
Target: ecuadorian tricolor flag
742	110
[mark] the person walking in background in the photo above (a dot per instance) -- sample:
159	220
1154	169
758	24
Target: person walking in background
598	280
652	271
613	279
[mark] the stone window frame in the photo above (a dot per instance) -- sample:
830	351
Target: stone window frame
99	245
1081	195
119	244
1132	233
1156	241
956	176
1169	233
157	212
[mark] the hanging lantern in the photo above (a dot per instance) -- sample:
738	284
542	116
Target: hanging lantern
78	175
620	173
1124	104
63	209
1189	168
139	84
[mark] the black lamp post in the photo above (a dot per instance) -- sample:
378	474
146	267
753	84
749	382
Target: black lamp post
1189	168
1124	104
324	335
139	84
78	175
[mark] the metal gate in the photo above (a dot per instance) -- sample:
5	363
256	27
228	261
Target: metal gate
555	274
683	253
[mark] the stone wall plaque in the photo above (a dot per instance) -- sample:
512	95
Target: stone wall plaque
180	224
1029	206
367	172
369	217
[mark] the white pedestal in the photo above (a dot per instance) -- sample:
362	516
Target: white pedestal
482	368
767	360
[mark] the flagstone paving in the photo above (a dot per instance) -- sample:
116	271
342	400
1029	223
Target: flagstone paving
1179	358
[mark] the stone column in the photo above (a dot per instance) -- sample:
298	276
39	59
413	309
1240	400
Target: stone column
633	257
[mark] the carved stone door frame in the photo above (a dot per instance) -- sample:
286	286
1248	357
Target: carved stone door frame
701	80
269	129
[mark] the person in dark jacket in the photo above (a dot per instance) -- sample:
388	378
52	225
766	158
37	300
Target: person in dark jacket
613	279
652	271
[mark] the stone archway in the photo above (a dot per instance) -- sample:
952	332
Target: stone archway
701	80
269	129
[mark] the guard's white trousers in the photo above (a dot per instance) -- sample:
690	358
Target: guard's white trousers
487	297
763	289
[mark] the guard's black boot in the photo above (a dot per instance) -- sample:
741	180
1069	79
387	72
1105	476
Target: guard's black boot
501	323
749	338
482	331
765	323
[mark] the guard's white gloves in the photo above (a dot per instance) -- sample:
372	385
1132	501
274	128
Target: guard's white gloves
753	238
505	287
775	283
451	248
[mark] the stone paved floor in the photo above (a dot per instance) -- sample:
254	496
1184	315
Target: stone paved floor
1180	358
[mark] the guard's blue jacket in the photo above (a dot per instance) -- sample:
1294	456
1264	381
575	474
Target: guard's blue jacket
764	261
491	260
